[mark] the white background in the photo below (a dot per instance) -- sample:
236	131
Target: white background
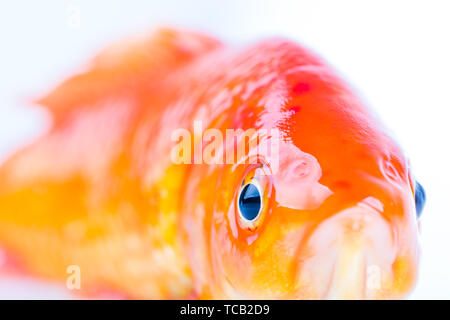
396	53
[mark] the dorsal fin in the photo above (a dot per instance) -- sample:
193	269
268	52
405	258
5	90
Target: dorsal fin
126	63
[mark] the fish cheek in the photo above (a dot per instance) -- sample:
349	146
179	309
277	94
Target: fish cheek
261	268
258	263
230	243
229	263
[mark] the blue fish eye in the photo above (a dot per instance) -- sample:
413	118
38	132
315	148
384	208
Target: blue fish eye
420	198
250	202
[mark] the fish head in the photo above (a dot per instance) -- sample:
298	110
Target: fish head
332	215
328	212
295	235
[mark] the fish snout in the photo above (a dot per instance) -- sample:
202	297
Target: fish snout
351	255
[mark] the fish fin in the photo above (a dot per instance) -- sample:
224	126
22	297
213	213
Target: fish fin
28	285
126	66
65	199
71	198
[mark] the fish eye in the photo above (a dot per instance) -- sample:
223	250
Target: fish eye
419	198
250	202
252	199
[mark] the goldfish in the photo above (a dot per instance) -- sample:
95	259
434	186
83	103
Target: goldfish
329	210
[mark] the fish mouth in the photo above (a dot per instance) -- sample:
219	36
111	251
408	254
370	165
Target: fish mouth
349	255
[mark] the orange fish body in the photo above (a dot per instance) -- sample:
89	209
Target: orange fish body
335	215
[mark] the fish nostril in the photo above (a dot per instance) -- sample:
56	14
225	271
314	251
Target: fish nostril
300	169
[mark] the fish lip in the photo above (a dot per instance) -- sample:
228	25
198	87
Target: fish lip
372	241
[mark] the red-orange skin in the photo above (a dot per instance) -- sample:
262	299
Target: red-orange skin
99	189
